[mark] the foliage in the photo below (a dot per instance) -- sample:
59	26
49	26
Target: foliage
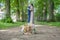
7	20
38	4
57	17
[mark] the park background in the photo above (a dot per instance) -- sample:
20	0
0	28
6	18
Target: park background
13	13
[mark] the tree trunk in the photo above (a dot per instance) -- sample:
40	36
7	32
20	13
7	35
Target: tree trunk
45	12
18	11
8	15
51	10
23	16
0	4
22	12
7	8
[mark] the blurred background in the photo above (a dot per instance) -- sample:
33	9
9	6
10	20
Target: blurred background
14	12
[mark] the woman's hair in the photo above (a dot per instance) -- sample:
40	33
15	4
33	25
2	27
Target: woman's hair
31	4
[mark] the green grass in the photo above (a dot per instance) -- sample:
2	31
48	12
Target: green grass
10	25
57	24
17	24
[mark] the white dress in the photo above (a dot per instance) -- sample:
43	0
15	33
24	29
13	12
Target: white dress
32	15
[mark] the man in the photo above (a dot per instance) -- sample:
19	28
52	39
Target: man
29	13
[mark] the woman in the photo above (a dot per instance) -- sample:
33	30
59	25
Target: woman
32	14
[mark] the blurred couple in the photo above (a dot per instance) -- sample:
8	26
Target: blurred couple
30	14
30	26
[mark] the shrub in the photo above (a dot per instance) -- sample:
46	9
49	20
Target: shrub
7	20
57	17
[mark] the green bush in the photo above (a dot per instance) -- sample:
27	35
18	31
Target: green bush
57	17
7	20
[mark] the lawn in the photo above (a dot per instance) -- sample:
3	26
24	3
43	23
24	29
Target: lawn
10	25
57	24
17	24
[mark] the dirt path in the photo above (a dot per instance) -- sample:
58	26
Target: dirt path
43	33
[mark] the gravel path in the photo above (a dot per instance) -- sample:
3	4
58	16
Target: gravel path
43	33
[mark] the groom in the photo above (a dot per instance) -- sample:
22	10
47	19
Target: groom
29	14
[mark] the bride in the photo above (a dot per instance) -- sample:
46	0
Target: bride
32	14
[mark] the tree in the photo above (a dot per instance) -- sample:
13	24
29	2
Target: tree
7	8
45	11
23	8
40	5
8	15
18	10
51	10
